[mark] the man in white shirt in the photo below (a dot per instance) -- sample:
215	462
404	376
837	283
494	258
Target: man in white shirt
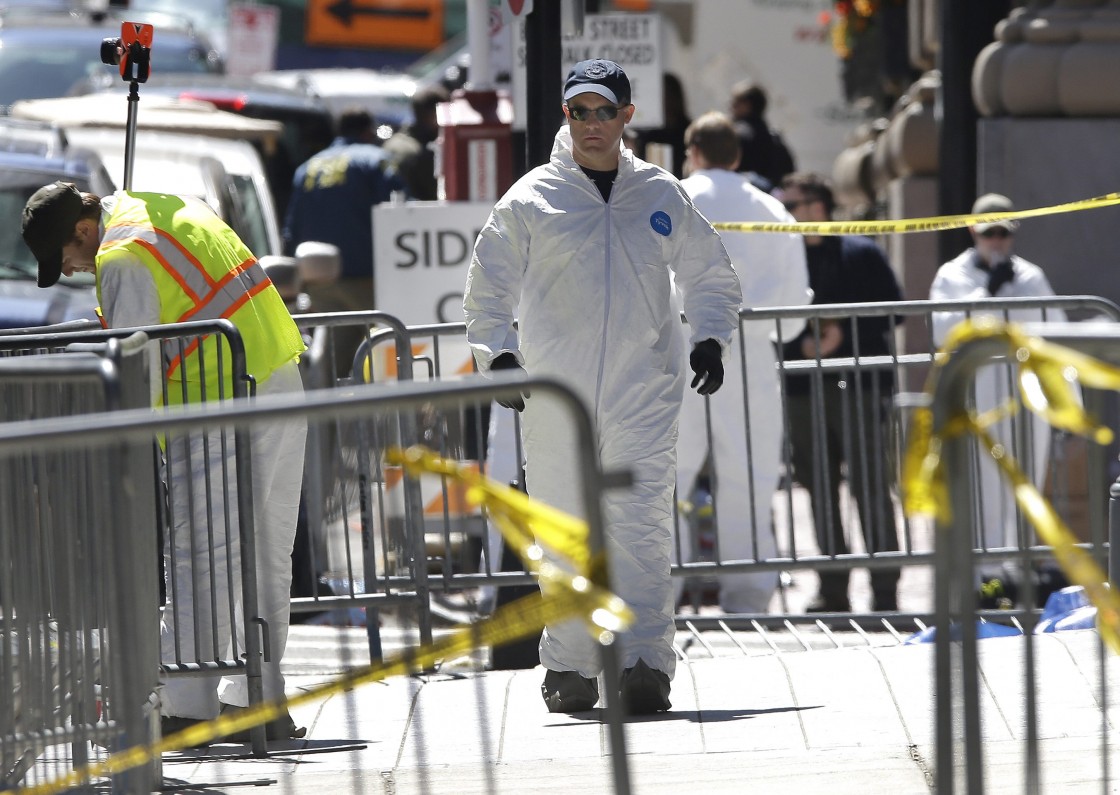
990	268
746	428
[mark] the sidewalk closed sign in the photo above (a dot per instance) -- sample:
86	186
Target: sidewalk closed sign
631	40
421	252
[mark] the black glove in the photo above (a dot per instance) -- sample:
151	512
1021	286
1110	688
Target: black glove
1000	274
507	361
706	361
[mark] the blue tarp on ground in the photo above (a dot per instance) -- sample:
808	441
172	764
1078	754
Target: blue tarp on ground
984	629
1066	609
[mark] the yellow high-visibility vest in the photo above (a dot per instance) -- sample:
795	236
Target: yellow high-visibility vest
202	271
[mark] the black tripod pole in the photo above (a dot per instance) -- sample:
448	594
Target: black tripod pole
130	132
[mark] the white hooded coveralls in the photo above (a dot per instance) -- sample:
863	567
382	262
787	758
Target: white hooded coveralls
746	450
590	283
962	278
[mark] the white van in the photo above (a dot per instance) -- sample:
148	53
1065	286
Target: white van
227	174
182	147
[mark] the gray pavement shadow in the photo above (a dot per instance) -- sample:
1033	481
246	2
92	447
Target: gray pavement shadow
721	715
694	716
239	752
178	785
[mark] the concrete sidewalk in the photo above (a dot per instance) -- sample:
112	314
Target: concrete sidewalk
846	720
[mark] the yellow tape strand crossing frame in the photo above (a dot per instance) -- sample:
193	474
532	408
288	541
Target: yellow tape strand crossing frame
906	226
1046	375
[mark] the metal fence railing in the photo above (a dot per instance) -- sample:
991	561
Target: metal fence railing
227	519
961	710
79	632
396	541
358	545
851	414
385	407
764	515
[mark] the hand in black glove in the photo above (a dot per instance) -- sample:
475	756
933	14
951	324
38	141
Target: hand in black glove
507	361
706	361
1000	274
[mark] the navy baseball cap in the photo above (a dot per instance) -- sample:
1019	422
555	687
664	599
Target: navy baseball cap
597	76
48	224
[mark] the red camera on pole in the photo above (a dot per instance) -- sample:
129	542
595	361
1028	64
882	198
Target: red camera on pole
132	51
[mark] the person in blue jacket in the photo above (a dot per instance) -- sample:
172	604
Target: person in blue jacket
333	195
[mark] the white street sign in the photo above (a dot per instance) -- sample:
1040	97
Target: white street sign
633	41
421	252
254	31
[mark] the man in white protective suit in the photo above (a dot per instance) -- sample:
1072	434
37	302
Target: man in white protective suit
746	429
990	268
580	251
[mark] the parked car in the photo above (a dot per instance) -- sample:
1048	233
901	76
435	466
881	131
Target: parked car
182	146
227	174
387	95
308	126
23	303
209	15
52	53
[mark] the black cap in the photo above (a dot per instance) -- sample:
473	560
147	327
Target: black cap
604	78
49	218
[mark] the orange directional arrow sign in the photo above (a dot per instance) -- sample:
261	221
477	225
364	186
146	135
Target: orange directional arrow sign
400	24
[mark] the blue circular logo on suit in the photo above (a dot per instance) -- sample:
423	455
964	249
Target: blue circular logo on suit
661	223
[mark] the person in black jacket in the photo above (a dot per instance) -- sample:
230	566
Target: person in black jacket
853	403
671	132
762	152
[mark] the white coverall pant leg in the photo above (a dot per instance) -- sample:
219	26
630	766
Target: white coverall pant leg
1027	436
277	460
638	522
502	466
744	485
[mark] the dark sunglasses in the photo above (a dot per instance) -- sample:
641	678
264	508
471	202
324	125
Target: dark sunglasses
995	231
603	113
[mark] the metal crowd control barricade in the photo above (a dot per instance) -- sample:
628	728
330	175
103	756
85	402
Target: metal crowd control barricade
794	549
345	490
168	343
961	711
440	352
465	552
78	629
389	406
378	539
456	541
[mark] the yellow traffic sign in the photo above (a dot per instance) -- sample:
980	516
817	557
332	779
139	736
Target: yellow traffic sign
400	24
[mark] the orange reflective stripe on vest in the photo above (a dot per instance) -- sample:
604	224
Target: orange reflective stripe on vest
212	299
229	295
202	271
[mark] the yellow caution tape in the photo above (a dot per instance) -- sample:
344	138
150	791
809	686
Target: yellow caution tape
524	522
1047	374
564	595
933	224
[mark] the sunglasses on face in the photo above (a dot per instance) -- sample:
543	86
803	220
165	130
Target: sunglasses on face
603	113
996	232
